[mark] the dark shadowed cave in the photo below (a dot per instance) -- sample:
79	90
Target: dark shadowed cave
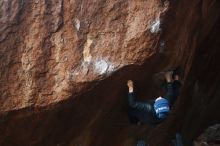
98	117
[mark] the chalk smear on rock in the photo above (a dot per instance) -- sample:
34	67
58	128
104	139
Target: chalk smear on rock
103	66
77	24
155	26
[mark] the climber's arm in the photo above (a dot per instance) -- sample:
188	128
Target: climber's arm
132	102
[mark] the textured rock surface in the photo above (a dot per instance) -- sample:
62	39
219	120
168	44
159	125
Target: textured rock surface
210	136
79	54
52	50
198	104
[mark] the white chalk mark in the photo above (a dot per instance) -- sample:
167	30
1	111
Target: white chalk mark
155	27
101	66
87	71
77	24
111	68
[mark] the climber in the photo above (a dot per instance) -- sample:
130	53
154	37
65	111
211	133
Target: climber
154	111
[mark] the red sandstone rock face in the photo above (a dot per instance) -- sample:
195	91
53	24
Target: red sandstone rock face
53	50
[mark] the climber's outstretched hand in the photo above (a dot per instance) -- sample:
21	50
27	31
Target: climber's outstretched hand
130	85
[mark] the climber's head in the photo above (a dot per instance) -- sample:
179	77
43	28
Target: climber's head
162	108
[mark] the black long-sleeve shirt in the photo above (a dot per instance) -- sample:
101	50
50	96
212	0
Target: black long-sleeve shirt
141	110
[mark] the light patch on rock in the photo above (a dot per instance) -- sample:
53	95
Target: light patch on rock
101	66
87	71
36	1
86	51
79	73
85	68
111	68
155	26
82	69
77	24
162	47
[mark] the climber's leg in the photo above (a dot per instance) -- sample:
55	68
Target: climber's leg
133	116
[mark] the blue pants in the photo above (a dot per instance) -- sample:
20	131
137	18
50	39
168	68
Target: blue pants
178	141
141	143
